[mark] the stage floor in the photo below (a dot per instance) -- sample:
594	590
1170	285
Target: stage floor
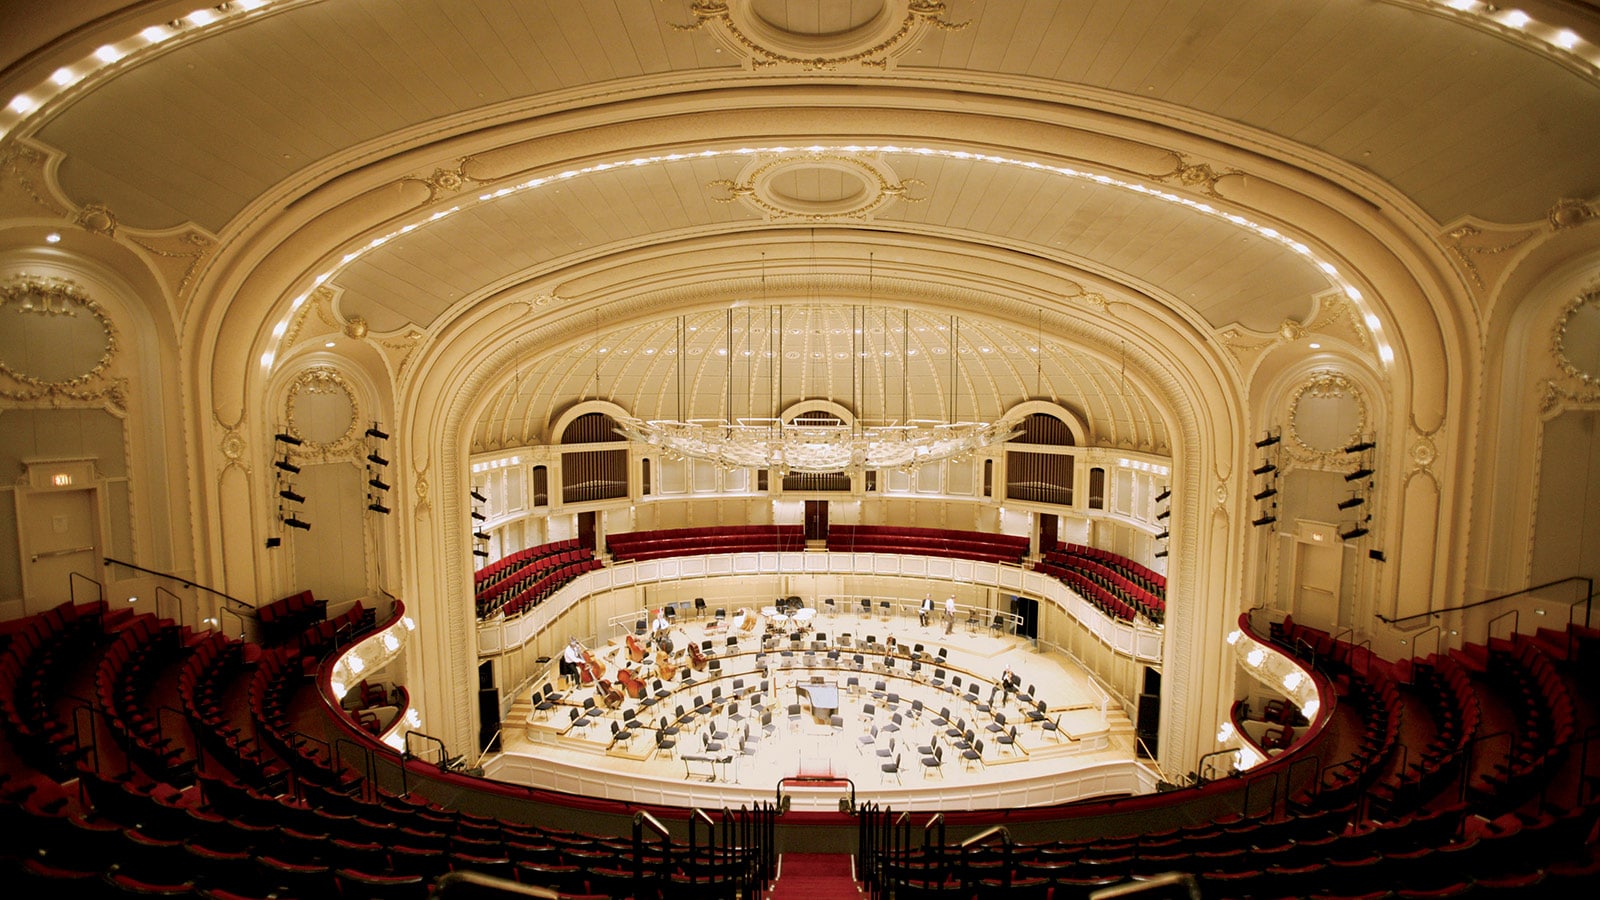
726	746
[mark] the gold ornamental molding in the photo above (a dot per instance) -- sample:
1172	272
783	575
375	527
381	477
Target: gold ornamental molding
323	380
867	185
59	305
1324	385
27	182
874	42
1578	385
1197	176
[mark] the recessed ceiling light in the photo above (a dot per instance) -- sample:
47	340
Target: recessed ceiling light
330	344
1316	346
53	237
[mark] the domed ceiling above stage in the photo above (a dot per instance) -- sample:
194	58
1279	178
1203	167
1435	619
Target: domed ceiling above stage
883	363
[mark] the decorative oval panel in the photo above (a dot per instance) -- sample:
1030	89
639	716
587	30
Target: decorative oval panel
1326	414
1578	337
52	334
322	410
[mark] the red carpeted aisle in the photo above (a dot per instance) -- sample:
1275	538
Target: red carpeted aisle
814	876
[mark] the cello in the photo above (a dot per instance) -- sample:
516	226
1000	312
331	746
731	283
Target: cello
664	665
697	660
633	685
608	694
636	651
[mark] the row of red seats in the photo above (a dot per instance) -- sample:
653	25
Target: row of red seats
978	545
548	584
1152	604
202	685
1545	719
123	679
1104	600
504	565
37	658
1152	579
284	619
642	545
490	597
1453	708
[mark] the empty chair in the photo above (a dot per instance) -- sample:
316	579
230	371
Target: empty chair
890	768
866	608
973	754
794	715
895	721
934	762
867	740
699	607
1009	739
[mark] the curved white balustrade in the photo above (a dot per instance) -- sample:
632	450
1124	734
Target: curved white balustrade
1125	638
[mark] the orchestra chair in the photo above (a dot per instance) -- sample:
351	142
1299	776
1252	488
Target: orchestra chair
891	768
699	607
973	754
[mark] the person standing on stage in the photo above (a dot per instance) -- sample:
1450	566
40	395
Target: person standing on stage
949	613
925	610
571	658
660	624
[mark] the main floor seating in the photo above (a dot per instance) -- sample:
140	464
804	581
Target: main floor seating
276	813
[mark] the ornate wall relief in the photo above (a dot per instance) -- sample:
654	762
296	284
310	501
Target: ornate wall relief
321	410
56	344
1326	414
866	34
1575	346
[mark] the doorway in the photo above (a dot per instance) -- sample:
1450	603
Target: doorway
816	520
59	536
1048	523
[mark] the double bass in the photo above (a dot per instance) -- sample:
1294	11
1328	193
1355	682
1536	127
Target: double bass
697	660
632	684
636	651
664	665
608	694
591	669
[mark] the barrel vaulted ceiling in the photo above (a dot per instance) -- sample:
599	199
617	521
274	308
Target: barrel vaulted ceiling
210	117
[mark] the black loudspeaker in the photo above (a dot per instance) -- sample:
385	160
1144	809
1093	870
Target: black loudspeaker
1148	725
485	674
489	719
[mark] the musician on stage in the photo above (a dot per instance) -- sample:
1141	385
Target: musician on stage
949	613
571	658
924	611
660	624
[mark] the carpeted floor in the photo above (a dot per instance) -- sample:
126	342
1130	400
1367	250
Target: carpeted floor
814	876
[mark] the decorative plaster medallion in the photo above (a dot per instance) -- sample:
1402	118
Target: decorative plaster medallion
868	33
1194	175
321	410
815	186
232	446
1423	453
1318	411
1577	337
98	218
1570	213
52	334
1291	330
356	327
